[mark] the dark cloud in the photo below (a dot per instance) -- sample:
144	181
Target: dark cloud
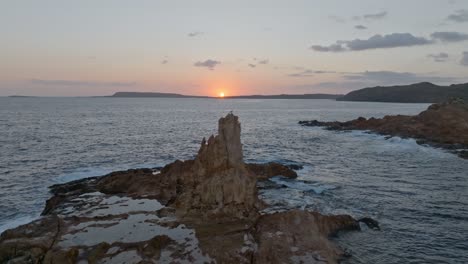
449	36
210	64
331	48
375	42
459	16
464	59
252	65
164	61
360	27
81	83
367	17
308	73
265	61
195	33
439	57
386	41
375	16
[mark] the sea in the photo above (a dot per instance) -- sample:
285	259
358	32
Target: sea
418	194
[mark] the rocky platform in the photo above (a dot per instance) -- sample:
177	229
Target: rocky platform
443	125
204	210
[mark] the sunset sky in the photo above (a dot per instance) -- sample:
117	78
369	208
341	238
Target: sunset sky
84	48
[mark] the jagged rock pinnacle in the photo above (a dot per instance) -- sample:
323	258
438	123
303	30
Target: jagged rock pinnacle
220	180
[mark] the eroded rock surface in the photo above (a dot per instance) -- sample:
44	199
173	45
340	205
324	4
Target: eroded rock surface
300	237
442	125
204	210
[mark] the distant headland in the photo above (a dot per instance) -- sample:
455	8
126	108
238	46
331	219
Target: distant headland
279	96
424	92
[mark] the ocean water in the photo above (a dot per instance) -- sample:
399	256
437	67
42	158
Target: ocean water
418	194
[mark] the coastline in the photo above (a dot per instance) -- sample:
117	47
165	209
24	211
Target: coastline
442	125
191	203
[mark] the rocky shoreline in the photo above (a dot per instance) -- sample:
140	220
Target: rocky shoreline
443	125
204	210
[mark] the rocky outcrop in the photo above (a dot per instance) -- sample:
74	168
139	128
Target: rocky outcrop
268	170
202	210
218	181
300	237
442	125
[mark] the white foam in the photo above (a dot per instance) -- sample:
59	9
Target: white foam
83	173
317	188
398	144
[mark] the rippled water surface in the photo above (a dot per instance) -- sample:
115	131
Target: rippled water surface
418	194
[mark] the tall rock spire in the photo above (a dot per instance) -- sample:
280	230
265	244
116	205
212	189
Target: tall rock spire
219	180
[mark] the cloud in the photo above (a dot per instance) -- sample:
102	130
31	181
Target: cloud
336	85
195	33
387	41
369	17
360	27
331	48
265	61
393	78
375	16
308	73
439	57
464	59
459	16
210	64
449	36
375	42
252	65
359	80
80	83
164	61
337	19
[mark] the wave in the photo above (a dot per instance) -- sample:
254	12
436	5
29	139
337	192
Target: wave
400	144
317	188
86	172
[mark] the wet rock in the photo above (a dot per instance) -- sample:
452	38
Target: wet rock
295	236
294	166
371	223
30	242
268	170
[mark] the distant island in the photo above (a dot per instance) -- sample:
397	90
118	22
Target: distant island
150	94
424	92
279	96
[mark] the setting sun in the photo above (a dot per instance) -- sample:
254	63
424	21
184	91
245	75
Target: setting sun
221	94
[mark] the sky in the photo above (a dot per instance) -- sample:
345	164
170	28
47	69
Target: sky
88	48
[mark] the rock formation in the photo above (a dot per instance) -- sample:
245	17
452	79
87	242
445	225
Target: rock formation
203	210
218	180
442	125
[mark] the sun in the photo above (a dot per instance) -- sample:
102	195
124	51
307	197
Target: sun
221	94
